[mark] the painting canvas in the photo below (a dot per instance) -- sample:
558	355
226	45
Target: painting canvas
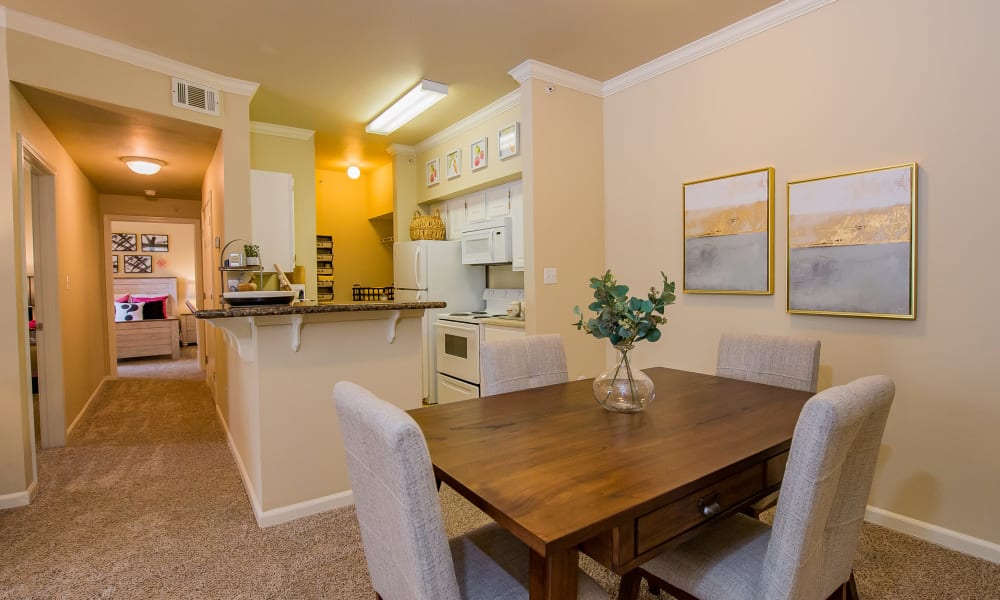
155	242
138	263
123	242
453	163
477	154
728	234
433	172
852	244
114	263
507	141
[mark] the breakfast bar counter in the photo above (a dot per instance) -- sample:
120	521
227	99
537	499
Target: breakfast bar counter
275	367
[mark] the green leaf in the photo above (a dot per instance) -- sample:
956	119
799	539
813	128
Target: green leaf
619	291
653	335
595	306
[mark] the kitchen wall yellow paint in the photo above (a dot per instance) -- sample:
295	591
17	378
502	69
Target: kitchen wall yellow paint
380	193
562	142
496	171
853	85
359	256
298	157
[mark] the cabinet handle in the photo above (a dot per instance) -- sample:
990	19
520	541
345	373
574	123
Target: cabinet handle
709	506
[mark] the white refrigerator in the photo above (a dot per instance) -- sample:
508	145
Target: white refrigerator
427	271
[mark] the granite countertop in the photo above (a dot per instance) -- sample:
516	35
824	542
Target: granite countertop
263	310
517	323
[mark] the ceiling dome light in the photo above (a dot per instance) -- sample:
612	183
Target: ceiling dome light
353	172
143	165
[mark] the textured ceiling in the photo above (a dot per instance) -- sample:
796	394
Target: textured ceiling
332	66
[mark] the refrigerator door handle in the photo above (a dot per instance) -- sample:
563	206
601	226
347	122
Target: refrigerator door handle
416	269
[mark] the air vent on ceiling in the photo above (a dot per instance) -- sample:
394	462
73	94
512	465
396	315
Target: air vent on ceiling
193	96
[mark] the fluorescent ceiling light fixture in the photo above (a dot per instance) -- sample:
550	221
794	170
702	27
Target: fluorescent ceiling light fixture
143	165
353	172
425	95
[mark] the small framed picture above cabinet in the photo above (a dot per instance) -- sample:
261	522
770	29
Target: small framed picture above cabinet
433	172
508	141
453	163
477	154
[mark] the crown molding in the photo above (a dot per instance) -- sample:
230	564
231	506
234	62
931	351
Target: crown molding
89	42
511	100
281	130
401	149
533	69
741	30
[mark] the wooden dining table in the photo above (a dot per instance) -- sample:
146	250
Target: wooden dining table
564	475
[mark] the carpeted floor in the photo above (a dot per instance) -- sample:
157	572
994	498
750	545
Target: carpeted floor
146	502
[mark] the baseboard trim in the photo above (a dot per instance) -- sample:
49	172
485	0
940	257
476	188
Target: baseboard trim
86	407
960	542
281	514
304	509
19	498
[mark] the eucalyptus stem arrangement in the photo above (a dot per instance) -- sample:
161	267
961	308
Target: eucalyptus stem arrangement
625	320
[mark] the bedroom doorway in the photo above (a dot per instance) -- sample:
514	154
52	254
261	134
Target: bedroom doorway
149	258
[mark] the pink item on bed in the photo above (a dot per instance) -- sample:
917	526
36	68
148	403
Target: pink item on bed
153	312
121	299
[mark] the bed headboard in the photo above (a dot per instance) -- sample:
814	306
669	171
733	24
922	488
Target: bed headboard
149	286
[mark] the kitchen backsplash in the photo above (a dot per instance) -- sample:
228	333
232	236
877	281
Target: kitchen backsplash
504	277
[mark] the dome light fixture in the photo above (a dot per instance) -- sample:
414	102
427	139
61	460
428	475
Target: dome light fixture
143	165
353	172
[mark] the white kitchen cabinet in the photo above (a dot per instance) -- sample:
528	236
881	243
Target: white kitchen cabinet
475	207
272	218
517	225
455	211
498	201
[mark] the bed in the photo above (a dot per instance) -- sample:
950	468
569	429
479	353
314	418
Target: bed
148	337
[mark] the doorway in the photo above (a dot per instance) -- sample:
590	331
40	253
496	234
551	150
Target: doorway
36	186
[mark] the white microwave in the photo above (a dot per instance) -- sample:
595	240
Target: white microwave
487	242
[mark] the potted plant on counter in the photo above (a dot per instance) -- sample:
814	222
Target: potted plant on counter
252	253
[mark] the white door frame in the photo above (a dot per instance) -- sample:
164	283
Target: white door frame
37	184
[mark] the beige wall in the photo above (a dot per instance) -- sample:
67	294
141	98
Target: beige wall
854	85
80	264
359	256
563	208
380	193
496	170
404	190
178	261
135	206
298	157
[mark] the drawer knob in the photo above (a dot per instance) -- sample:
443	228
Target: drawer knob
709	506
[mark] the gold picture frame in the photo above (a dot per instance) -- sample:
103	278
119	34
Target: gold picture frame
729	234
852	244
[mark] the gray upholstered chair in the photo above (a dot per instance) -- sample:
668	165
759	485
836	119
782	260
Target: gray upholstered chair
409	556
773	360
786	362
519	364
809	552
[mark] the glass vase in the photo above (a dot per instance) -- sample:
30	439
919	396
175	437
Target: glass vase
623	388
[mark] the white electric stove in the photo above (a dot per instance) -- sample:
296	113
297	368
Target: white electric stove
458	339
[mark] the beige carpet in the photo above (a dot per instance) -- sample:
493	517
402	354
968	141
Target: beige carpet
146	502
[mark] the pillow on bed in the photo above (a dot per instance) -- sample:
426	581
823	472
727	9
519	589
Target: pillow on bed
128	311
155	306
122	298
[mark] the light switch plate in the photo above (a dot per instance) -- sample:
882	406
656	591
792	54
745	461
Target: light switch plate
549	276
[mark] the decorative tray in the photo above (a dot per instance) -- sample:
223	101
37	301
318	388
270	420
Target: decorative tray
258	298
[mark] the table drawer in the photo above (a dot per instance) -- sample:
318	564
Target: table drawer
664	523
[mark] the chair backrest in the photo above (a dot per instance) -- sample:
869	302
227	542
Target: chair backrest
395	497
775	360
825	490
519	364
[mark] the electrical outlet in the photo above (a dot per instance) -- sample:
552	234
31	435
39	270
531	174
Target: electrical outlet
549	276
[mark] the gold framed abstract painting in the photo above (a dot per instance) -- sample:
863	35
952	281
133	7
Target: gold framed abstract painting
729	234
852	244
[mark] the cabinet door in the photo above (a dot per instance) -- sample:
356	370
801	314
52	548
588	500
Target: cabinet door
475	207
272	218
497	202
496	333
517	225
455	209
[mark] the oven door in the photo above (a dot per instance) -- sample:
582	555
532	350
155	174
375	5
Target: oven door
450	389
457	350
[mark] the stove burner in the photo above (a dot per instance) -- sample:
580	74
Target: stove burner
479	312
459	315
